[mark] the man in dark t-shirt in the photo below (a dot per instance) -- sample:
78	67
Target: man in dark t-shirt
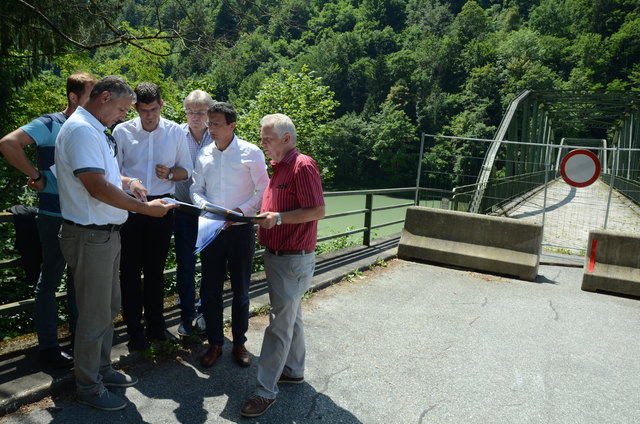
42	132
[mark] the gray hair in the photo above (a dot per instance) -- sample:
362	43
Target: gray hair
281	125
198	97
115	85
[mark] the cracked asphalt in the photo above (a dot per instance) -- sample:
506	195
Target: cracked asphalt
415	343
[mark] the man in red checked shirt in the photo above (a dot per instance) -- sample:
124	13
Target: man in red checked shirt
292	204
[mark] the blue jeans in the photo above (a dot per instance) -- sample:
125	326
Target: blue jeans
234	248
53	265
186	233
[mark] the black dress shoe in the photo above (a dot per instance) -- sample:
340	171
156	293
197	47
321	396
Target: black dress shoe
56	358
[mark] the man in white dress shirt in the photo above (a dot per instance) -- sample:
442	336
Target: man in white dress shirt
232	173
93	208
153	150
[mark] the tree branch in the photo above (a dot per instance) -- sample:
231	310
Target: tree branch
120	37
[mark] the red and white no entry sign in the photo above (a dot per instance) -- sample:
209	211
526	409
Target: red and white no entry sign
580	168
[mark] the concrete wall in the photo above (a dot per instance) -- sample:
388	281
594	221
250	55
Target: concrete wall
613	264
482	242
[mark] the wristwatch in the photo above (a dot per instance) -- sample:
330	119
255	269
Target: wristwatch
170	175
278	219
131	180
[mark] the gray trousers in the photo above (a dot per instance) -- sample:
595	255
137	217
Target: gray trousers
283	349
94	258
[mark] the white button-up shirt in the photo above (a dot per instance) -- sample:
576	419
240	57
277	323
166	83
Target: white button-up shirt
82	146
233	178
139	152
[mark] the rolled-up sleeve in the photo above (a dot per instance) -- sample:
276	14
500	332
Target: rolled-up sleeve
260	178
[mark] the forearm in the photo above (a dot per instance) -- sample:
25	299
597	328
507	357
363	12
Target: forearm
298	216
112	195
251	206
197	189
179	174
12	147
126	182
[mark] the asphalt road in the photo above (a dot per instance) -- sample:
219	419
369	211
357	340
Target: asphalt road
415	343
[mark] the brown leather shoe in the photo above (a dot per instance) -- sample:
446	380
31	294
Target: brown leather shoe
241	355
256	406
211	356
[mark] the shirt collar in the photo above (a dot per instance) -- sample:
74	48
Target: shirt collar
138	124
232	146
88	116
288	158
190	137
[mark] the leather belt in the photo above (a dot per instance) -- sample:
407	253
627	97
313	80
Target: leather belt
160	196
106	227
288	252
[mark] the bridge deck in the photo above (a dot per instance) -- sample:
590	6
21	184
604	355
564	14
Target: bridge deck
572	212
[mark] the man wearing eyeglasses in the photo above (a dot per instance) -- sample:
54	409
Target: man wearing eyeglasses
153	150
232	173
197	138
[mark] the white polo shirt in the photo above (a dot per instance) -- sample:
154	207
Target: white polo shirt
82	146
139	152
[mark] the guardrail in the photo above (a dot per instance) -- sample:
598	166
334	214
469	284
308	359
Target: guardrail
630	188
366	231
497	192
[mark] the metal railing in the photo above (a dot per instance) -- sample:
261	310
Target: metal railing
366	231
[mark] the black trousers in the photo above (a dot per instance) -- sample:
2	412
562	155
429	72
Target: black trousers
233	250
145	244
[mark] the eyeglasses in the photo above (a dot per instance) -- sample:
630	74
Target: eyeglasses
196	112
214	124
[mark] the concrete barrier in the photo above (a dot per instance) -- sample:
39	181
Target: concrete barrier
612	263
482	242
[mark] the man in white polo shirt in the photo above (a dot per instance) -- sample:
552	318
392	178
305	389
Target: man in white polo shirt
94	206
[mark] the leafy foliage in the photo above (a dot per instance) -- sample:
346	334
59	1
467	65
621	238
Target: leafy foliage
303	98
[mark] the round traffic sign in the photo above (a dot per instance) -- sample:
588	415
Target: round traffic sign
580	168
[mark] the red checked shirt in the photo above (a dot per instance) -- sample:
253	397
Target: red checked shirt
295	184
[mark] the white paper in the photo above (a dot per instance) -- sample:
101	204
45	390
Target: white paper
209	224
208	230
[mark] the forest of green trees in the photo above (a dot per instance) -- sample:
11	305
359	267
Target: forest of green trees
361	78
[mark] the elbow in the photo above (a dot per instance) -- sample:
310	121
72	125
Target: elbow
320	212
5	146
